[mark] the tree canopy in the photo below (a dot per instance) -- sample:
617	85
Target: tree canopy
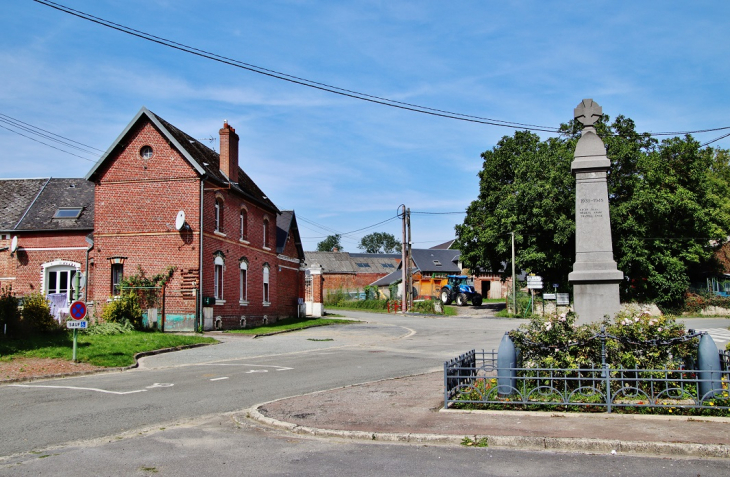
669	201
380	242
330	243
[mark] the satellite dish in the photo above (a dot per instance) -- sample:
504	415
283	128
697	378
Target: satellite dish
180	220
14	244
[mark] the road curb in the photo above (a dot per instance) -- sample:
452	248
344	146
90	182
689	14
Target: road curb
535	443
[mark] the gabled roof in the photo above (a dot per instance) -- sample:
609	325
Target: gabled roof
204	160
436	261
30	204
286	226
345	262
445	245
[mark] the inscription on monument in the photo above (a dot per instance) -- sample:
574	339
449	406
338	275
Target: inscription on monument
591	208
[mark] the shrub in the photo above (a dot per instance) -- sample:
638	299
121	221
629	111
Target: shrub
336	298
110	328
37	314
426	306
558	343
124	308
9	313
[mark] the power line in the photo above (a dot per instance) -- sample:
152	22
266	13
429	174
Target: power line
46	144
438	213
48	134
294	79
715	140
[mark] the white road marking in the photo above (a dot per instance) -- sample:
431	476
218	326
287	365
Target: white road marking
719	334
278	368
77	388
219	379
257	371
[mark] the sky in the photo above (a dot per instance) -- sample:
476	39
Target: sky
345	164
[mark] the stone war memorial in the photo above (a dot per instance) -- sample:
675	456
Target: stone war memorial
595	277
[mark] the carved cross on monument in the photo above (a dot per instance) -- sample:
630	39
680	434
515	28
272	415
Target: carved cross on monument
588	112
595	277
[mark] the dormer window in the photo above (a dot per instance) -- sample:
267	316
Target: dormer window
67	213
437	263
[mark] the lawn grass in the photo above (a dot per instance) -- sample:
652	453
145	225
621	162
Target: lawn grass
290	324
99	350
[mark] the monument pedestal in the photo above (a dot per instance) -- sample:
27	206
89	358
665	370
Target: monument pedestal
595	276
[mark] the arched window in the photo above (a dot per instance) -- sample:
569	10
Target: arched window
266	235
218	215
243	291
243	224
218	263
60	280
266	284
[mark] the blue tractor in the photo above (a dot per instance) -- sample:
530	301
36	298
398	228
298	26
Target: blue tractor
459	291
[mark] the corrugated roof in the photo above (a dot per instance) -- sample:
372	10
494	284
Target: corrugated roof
345	262
30	204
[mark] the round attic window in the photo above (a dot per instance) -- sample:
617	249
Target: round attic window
146	152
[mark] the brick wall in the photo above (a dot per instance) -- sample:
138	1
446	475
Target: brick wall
349	281
136	203
24	270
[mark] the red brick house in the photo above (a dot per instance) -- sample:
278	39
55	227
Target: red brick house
164	200
45	230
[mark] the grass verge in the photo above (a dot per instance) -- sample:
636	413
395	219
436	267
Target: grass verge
99	350
290	324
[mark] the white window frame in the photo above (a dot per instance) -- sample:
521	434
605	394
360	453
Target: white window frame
58	267
218	207
266	290
243	286
266	236
218	269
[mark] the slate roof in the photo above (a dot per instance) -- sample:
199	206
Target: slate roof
345	262
445	245
436	261
30	204
286	225
202	158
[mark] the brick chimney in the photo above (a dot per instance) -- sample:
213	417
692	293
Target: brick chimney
229	152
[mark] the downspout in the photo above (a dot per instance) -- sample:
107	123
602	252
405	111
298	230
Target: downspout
88	275
199	300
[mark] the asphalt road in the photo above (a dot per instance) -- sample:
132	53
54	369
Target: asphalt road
86	419
234	375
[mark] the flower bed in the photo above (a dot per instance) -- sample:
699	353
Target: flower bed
634	364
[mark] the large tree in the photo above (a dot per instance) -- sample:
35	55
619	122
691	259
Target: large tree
668	202
379	242
330	243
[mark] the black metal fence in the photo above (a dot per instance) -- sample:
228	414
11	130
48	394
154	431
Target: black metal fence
475	379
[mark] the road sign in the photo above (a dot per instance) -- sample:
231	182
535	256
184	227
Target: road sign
534	282
563	299
548	296
78	310
77	325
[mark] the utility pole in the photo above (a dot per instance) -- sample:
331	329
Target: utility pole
409	294
404	262
514	280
